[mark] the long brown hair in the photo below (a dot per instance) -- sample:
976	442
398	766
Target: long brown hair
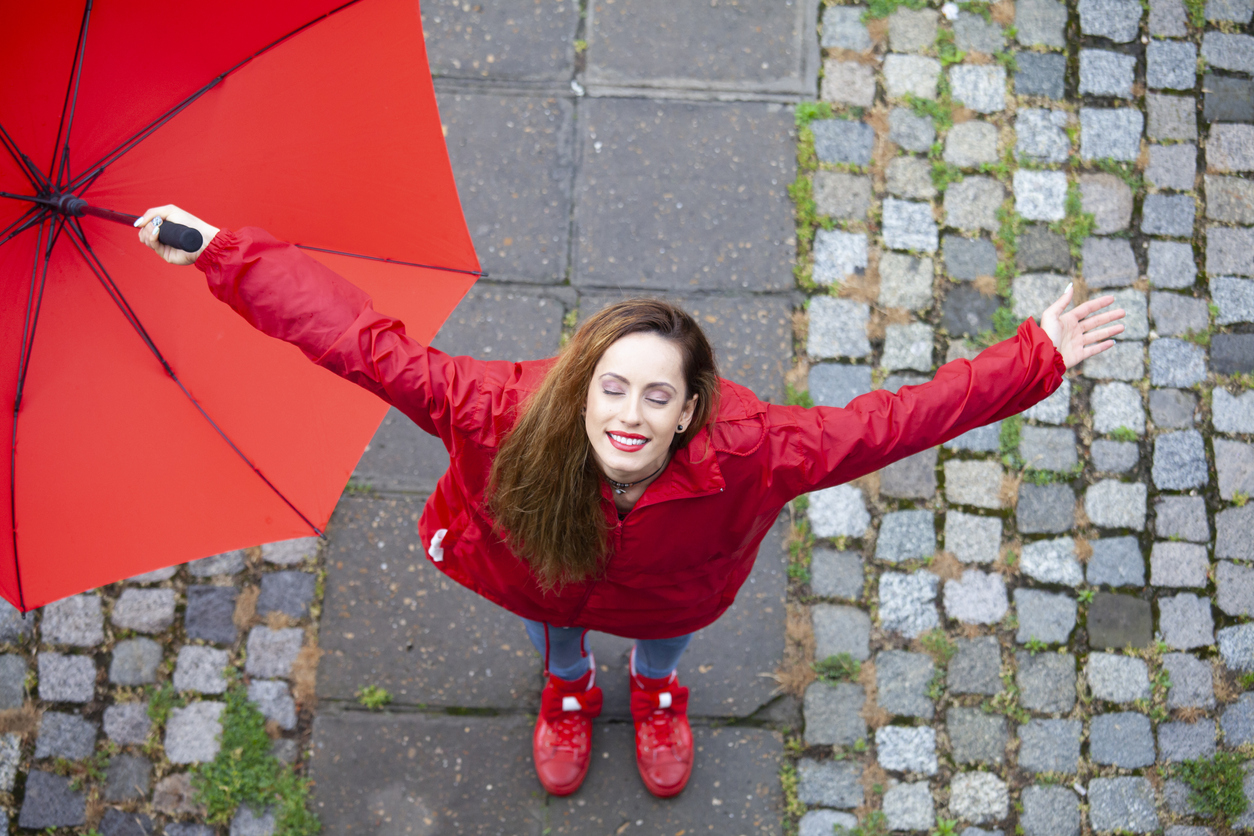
544	491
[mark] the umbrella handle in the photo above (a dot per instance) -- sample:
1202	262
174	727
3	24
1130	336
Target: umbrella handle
171	234
180	237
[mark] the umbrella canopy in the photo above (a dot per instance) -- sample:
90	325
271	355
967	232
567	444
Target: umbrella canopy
152	425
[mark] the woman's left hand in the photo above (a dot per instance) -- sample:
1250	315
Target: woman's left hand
1078	333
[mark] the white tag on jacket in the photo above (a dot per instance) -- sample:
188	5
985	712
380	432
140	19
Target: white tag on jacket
570	704
437	551
664	699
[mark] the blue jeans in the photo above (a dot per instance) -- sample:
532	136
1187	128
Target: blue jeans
565	651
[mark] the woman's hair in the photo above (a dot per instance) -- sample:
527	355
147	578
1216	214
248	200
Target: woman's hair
544	491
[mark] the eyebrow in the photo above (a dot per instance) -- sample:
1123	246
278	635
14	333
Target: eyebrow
628	382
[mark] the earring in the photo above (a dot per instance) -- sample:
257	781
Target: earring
680	428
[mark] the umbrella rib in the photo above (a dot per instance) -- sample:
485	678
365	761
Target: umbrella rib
61	158
21	225
112	156
34	304
33	174
90	181
98	268
394	261
26	197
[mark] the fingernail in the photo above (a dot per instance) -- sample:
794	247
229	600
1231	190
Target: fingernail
1067	289
138	222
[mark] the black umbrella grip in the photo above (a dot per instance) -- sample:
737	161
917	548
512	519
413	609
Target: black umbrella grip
180	237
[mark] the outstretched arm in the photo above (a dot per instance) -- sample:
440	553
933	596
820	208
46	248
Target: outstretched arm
286	294
825	446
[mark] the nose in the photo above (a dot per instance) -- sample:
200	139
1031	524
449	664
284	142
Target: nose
631	412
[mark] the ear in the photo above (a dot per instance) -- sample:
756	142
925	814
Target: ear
690	409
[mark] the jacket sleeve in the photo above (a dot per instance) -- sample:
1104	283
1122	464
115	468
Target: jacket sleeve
286	294
824	446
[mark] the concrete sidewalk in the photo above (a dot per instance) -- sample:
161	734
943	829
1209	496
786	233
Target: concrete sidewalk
654	162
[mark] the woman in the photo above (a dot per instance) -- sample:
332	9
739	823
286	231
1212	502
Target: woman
622	486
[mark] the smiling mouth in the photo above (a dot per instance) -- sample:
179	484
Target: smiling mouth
629	443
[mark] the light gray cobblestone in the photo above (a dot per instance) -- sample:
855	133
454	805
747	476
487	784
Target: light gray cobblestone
908	602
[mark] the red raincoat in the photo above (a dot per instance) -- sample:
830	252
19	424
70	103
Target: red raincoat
680	556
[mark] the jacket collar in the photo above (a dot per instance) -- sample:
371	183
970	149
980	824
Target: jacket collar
693	471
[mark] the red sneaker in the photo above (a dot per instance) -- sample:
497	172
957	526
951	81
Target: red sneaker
562	743
663	737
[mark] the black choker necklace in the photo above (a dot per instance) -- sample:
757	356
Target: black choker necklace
621	487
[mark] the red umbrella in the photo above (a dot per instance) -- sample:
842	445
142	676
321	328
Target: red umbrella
151	424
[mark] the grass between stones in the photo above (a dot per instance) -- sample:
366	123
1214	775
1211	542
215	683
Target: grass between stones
160	701
944	173
245	772
1124	434
875	824
801	190
1010	434
1078	224
883	8
800	539
1124	171
373	696
1197	12
93	770
940	109
839	668
946	50
788	779
1216	784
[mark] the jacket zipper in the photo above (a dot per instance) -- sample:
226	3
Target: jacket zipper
618	542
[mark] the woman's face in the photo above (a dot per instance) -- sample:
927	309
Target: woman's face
635	404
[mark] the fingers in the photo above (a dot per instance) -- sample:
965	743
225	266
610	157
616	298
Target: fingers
1091	350
1098	320
1103	333
162	212
1061	303
147	229
1081	311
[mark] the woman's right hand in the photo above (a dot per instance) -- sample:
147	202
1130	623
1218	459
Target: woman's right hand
148	233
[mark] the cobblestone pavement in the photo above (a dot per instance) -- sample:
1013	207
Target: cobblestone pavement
1024	630
108	699
1030	628
600	150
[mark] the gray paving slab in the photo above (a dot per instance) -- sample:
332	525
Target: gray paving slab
754	46
416	633
751	335
440	773
734	788
684	195
513	160
492	322
723	664
474	775
401	457
501	41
